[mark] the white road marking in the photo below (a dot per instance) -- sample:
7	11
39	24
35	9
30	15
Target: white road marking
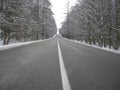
65	80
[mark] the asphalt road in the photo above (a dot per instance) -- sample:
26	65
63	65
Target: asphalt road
36	67
31	67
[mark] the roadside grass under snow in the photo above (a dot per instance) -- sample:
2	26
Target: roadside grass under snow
97	47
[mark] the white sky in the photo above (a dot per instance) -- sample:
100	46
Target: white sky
59	8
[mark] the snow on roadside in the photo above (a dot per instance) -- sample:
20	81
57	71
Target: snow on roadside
6	47
97	47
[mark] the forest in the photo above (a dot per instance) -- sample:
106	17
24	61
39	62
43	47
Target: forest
26	20
96	22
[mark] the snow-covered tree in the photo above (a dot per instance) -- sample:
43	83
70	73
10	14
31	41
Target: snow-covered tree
25	20
95	21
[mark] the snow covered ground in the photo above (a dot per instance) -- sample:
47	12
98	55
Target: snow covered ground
97	47
6	47
14	45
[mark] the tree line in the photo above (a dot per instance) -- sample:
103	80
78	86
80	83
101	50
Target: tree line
95	22
26	20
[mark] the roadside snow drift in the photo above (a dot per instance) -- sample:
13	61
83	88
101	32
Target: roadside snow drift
97	47
6	47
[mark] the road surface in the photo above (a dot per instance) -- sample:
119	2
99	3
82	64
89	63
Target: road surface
44	66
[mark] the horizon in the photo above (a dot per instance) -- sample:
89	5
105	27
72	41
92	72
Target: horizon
59	9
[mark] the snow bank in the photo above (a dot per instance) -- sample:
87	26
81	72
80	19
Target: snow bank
6	47
97	47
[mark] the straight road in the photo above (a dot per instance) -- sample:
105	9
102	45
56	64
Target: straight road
31	67
89	68
49	65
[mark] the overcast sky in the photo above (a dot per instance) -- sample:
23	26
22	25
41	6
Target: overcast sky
59	9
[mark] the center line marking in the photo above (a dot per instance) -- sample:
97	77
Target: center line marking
65	80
